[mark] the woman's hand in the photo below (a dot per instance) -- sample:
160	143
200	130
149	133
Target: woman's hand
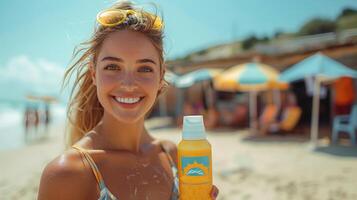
214	192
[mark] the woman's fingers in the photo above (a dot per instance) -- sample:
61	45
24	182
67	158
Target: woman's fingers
214	192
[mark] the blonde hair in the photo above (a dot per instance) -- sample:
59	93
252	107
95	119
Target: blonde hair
84	110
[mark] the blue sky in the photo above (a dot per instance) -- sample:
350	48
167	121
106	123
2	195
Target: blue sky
50	29
39	36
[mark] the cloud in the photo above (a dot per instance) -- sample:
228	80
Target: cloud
22	76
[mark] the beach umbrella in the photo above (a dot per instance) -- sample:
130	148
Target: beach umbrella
196	76
323	69
170	77
249	77
189	79
44	98
318	64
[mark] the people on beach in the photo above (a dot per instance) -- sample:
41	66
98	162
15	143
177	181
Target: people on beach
119	75
37	121
47	117
31	121
27	119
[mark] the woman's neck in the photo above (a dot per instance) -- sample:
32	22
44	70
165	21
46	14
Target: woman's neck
116	135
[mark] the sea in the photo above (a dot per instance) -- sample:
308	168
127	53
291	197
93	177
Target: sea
12	123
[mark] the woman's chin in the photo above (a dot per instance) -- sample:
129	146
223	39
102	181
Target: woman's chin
127	117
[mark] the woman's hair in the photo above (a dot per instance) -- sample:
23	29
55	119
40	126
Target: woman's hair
84	110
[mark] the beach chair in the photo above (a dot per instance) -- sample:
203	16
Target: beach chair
268	116
345	123
291	116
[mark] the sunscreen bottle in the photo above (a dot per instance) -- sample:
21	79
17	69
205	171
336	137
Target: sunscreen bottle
194	160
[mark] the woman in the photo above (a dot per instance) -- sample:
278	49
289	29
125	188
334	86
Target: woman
119	77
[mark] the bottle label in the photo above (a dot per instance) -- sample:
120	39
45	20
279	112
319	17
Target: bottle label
195	166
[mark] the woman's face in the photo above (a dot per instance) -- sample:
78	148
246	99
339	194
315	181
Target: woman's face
127	75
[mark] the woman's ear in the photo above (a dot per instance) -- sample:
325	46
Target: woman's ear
162	79
92	72
162	82
161	86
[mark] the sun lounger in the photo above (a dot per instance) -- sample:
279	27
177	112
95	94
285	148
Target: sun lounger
290	118
347	124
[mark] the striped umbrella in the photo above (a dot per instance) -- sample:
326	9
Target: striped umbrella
249	77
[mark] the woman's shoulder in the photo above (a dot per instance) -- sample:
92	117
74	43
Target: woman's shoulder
65	177
67	163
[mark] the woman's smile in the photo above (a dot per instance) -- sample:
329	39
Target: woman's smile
128	102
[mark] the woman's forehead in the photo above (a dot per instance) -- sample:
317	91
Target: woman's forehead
128	44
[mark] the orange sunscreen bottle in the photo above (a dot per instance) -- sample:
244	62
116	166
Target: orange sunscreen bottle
194	160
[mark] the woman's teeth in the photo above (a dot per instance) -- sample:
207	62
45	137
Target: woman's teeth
127	100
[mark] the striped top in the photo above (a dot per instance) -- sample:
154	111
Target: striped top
105	194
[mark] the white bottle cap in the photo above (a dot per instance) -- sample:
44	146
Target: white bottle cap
193	128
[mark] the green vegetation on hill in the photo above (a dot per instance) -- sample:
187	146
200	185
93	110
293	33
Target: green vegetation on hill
317	26
347	19
252	40
347	22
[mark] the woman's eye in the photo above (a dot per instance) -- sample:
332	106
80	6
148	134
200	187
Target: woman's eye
145	69
112	67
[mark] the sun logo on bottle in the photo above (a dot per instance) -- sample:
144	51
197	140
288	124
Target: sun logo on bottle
195	169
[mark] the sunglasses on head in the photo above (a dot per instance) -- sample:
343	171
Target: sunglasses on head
114	17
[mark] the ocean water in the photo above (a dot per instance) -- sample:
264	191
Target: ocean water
12	129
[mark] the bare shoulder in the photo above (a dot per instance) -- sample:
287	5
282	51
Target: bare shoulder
65	177
171	148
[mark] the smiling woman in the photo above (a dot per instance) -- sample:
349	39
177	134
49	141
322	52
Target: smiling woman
118	79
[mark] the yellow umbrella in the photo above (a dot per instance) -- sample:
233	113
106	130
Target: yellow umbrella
45	98
249	77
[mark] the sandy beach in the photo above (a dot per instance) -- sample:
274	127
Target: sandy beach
245	166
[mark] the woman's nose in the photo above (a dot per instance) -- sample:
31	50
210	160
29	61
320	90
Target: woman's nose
128	82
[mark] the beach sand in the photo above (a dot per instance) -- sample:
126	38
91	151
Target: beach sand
244	166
